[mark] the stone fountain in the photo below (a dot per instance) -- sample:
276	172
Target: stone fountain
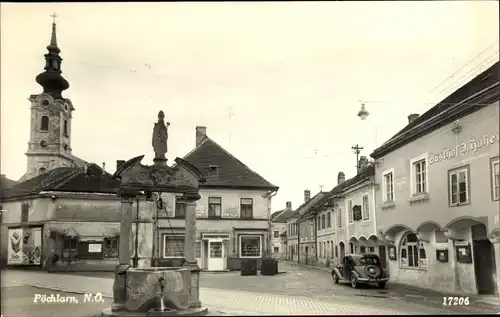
157	291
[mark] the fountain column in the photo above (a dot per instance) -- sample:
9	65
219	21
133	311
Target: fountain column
119	285
190	248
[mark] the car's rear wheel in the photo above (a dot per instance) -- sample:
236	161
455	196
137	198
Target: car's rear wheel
354	281
381	285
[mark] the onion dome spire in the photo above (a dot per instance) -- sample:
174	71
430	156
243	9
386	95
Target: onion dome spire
51	80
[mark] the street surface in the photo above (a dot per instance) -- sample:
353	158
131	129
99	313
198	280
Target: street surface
297	291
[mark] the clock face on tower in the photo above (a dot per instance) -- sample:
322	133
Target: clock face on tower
45	103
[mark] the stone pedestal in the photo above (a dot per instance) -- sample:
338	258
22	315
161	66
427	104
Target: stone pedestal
190	248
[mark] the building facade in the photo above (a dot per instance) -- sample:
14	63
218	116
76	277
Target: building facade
307	228
278	228
437	204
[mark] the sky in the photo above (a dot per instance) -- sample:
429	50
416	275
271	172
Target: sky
277	84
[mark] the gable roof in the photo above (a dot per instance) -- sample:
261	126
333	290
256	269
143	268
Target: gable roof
484	82
6	182
281	215
305	207
327	200
68	179
222	169
79	163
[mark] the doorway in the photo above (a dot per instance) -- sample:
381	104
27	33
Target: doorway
307	255
215	255
484	260
382	254
342	250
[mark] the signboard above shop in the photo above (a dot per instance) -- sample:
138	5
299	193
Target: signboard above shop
465	148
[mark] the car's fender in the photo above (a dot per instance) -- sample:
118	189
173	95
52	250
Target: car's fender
355	273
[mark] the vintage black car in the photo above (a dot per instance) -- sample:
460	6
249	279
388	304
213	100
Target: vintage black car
361	269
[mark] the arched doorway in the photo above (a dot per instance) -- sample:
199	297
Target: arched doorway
484	260
342	250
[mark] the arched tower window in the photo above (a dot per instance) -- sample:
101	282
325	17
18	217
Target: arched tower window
412	252
42	170
65	127
45	123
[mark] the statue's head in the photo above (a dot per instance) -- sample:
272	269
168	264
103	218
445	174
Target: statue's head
161	115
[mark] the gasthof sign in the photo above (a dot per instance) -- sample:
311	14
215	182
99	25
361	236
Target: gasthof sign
463	148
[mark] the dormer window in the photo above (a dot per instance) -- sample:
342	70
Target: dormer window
44	126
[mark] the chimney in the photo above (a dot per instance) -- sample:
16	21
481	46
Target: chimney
103	168
288	205
201	134
363	163
307	195
119	163
413	117
340	178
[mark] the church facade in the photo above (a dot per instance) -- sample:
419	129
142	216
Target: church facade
64	213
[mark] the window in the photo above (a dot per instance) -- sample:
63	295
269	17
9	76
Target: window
319	247
459	187
70	248
111	247
25	208
42	170
329	219
65	128
323	221
371	249
276	250
351	246
339	218
44	126
246	206
388	187
173	246
336	251
350	211
214	207
250	246
420	178
318	223
366	208
180	208
495	178
276	234
412	252
198	249
362	249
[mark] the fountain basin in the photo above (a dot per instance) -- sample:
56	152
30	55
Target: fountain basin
197	311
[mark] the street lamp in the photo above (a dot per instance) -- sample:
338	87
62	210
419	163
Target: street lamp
363	113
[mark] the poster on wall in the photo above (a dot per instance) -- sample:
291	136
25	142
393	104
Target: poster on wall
25	246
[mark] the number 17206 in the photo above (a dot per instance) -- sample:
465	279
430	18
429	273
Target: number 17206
456	301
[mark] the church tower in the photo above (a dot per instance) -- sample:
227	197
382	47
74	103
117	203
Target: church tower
50	130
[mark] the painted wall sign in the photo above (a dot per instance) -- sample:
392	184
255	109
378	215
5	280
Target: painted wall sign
95	248
25	246
464	148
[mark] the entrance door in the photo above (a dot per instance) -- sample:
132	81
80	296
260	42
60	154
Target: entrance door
215	256
382	255
484	261
307	255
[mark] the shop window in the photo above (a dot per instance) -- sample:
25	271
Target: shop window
111	245
250	246
173	246
413	253
214	207
70	248
246	207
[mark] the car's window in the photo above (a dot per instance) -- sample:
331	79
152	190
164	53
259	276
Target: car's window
369	261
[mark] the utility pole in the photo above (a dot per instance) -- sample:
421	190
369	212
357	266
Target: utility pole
357	149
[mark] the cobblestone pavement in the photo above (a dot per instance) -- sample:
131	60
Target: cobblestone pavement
298	291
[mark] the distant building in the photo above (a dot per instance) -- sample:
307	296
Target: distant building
438	200
278	227
6	182
307	229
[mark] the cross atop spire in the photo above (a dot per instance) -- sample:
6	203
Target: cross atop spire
54	16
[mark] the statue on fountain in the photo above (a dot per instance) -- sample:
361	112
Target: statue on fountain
160	137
